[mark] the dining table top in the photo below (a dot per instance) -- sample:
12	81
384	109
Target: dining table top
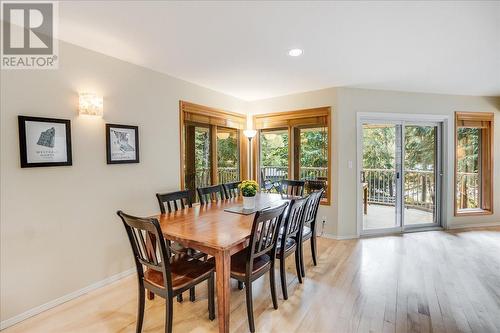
210	226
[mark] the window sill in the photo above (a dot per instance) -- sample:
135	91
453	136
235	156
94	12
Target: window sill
472	212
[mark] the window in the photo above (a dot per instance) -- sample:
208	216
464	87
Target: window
473	163
295	145
210	146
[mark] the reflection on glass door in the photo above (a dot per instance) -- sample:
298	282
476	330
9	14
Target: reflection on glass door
197	156
228	153
420	175
274	155
379	179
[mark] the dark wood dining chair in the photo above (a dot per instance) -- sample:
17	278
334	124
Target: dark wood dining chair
309	230
290	240
258	258
172	202
210	194
159	272
232	190
292	188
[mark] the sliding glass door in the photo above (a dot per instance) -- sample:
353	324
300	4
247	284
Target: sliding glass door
400	176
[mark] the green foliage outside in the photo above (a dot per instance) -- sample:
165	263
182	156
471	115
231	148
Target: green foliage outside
274	149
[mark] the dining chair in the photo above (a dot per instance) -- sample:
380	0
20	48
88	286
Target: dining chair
210	194
266	185
292	188
232	190
159	272
172	202
258	258
309	230
290	240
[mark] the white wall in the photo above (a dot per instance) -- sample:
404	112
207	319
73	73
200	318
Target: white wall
59	231
346	103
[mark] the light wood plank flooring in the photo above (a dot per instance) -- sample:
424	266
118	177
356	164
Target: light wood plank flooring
419	282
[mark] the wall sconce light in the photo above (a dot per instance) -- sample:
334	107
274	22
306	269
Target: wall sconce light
90	104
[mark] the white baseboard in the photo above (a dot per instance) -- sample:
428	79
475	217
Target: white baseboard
472	225
44	307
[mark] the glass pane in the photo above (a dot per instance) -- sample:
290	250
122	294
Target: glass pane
419	174
314	157
468	176
273	156
378	177
227	155
202	156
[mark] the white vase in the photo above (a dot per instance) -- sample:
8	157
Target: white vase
248	202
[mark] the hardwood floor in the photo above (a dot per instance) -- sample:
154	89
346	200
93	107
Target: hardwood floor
418	282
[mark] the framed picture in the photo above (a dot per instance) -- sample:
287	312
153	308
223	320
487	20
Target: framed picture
122	144
44	142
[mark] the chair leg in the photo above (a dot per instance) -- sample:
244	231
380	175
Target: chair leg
169	305
301	260
179	298
211	297
140	308
240	285
313	249
298	264
283	278
192	295
273	287
248	289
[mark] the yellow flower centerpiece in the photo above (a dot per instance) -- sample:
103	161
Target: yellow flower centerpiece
248	190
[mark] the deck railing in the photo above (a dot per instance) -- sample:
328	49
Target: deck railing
225	175
419	188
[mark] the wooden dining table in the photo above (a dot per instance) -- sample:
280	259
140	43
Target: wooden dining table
213	230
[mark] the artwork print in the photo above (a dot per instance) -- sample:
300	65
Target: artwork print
122	144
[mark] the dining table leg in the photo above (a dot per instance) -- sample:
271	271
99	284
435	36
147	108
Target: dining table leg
223	279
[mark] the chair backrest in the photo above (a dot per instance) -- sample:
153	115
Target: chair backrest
316	185
142	232
294	221
232	190
174	201
311	210
293	188
265	232
210	194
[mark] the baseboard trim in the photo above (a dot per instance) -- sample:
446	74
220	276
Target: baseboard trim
63	299
473	225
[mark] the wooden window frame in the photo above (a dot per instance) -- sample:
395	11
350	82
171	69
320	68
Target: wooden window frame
293	121
484	121
191	113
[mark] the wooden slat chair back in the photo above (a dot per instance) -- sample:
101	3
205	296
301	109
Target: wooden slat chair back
173	201
232	190
292	188
210	194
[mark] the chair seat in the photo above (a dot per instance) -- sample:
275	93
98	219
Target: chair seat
306	233
290	245
184	272
239	262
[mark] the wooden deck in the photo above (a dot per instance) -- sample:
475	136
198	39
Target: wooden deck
381	216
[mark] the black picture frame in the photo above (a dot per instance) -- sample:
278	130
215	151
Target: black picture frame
109	156
23	148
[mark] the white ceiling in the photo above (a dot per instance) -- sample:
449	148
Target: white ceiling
240	48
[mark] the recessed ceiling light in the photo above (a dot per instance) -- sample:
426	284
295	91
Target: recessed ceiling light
295	52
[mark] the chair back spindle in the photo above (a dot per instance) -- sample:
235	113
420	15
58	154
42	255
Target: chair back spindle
292	188
232	190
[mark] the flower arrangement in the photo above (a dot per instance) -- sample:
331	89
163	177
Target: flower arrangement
249	188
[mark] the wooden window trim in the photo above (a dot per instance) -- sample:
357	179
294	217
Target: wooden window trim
484	121
211	117
291	120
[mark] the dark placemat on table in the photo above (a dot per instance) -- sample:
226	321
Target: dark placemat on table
238	209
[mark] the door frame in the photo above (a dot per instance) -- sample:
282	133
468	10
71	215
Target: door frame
443	151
